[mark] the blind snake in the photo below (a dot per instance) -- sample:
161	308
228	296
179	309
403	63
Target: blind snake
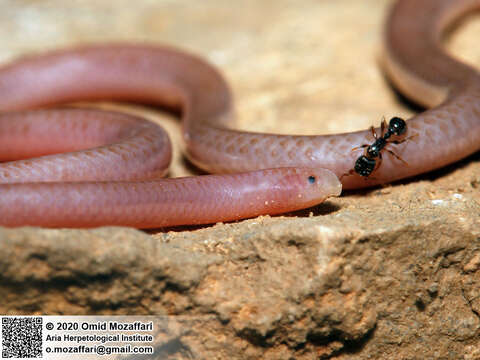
115	181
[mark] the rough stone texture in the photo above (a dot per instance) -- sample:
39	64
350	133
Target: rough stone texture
383	273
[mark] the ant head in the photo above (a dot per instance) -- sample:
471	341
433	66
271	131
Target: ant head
364	166
397	126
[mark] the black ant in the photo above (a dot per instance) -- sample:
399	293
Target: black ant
367	163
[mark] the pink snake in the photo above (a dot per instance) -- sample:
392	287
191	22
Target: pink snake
115	180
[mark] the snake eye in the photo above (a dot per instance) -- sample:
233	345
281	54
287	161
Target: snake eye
311	179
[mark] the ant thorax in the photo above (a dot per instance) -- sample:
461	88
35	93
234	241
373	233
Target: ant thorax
373	151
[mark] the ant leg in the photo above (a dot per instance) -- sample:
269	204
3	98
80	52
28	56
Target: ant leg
398	157
359	147
383	126
378	163
396	142
403	140
351	172
380	159
374	134
370	177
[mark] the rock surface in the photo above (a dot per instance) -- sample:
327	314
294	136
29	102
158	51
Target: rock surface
383	273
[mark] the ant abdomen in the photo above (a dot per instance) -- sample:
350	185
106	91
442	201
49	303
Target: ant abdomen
364	166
